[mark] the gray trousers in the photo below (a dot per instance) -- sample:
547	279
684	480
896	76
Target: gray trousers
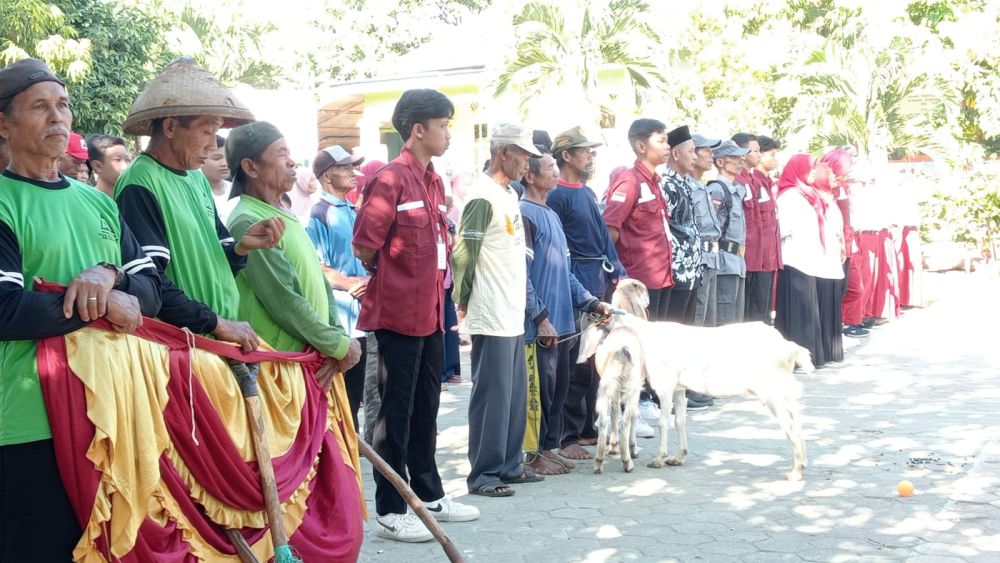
731	299
498	409
372	400
705	298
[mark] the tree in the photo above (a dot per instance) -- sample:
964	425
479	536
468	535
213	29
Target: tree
881	102
36	28
229	47
350	39
128	49
558	47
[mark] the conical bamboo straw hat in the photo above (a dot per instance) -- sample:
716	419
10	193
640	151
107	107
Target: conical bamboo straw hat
182	89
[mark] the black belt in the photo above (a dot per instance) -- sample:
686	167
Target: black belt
732	247
709	245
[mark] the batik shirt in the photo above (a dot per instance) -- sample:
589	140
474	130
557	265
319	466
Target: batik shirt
684	236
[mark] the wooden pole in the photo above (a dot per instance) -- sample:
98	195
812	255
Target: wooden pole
450	549
246	377
243	550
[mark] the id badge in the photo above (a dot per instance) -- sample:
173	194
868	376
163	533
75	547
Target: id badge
442	253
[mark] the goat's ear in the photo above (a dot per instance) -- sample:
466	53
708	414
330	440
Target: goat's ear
589	340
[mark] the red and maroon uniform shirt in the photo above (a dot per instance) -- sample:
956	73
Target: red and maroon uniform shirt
402	217
637	208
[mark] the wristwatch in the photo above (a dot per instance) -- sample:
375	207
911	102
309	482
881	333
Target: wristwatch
119	273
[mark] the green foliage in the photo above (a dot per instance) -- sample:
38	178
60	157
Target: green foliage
128	49
350	39
553	51
228	46
36	28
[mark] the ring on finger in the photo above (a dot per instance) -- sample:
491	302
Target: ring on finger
92	298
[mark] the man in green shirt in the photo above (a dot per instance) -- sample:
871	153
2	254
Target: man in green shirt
167	202
66	232
283	293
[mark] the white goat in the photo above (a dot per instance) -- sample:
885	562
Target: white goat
731	360
619	362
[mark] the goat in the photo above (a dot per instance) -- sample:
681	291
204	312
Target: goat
725	361
619	362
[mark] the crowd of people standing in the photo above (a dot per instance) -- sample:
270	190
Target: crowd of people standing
224	236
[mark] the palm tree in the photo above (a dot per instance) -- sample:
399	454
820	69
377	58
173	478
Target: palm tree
235	53
883	103
570	49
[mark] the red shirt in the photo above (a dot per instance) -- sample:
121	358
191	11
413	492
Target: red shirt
763	246
402	217
637	208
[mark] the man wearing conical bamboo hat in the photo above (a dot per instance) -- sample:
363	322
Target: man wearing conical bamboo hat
167	201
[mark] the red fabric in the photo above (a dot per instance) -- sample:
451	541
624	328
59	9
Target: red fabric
406	243
892	308
909	261
332	527
853	308
796	176
763	246
880	274
751	215
637	208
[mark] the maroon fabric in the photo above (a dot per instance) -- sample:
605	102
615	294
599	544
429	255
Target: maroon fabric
405	241
853	308
331	529
751	214
909	260
643	245
763	246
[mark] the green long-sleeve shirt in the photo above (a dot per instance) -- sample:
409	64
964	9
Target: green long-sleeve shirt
283	293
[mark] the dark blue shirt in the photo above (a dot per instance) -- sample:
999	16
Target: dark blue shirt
590	246
553	291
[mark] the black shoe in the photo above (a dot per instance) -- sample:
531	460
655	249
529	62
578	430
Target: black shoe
694	396
856	331
869	322
692	406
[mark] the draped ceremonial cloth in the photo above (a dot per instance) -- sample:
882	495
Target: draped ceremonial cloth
154	447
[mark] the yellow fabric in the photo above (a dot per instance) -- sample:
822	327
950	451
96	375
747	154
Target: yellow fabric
125	378
534	420
282	390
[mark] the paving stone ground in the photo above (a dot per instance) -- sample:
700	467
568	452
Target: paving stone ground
918	400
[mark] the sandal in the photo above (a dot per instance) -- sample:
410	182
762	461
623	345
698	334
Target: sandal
493	491
544	466
526	476
554	458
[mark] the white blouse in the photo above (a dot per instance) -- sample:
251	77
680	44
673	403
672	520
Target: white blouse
800	242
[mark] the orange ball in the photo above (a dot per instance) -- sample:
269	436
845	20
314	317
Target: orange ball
905	488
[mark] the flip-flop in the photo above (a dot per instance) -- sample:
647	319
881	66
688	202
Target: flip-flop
493	491
526	476
554	458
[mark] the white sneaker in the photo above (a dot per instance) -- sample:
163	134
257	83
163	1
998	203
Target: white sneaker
446	510
649	412
643	429
402	527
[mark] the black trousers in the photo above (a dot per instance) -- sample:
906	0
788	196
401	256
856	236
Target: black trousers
659	302
554	366
831	298
37	522
354	380
406	427
758	296
681	306
578	410
452	356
